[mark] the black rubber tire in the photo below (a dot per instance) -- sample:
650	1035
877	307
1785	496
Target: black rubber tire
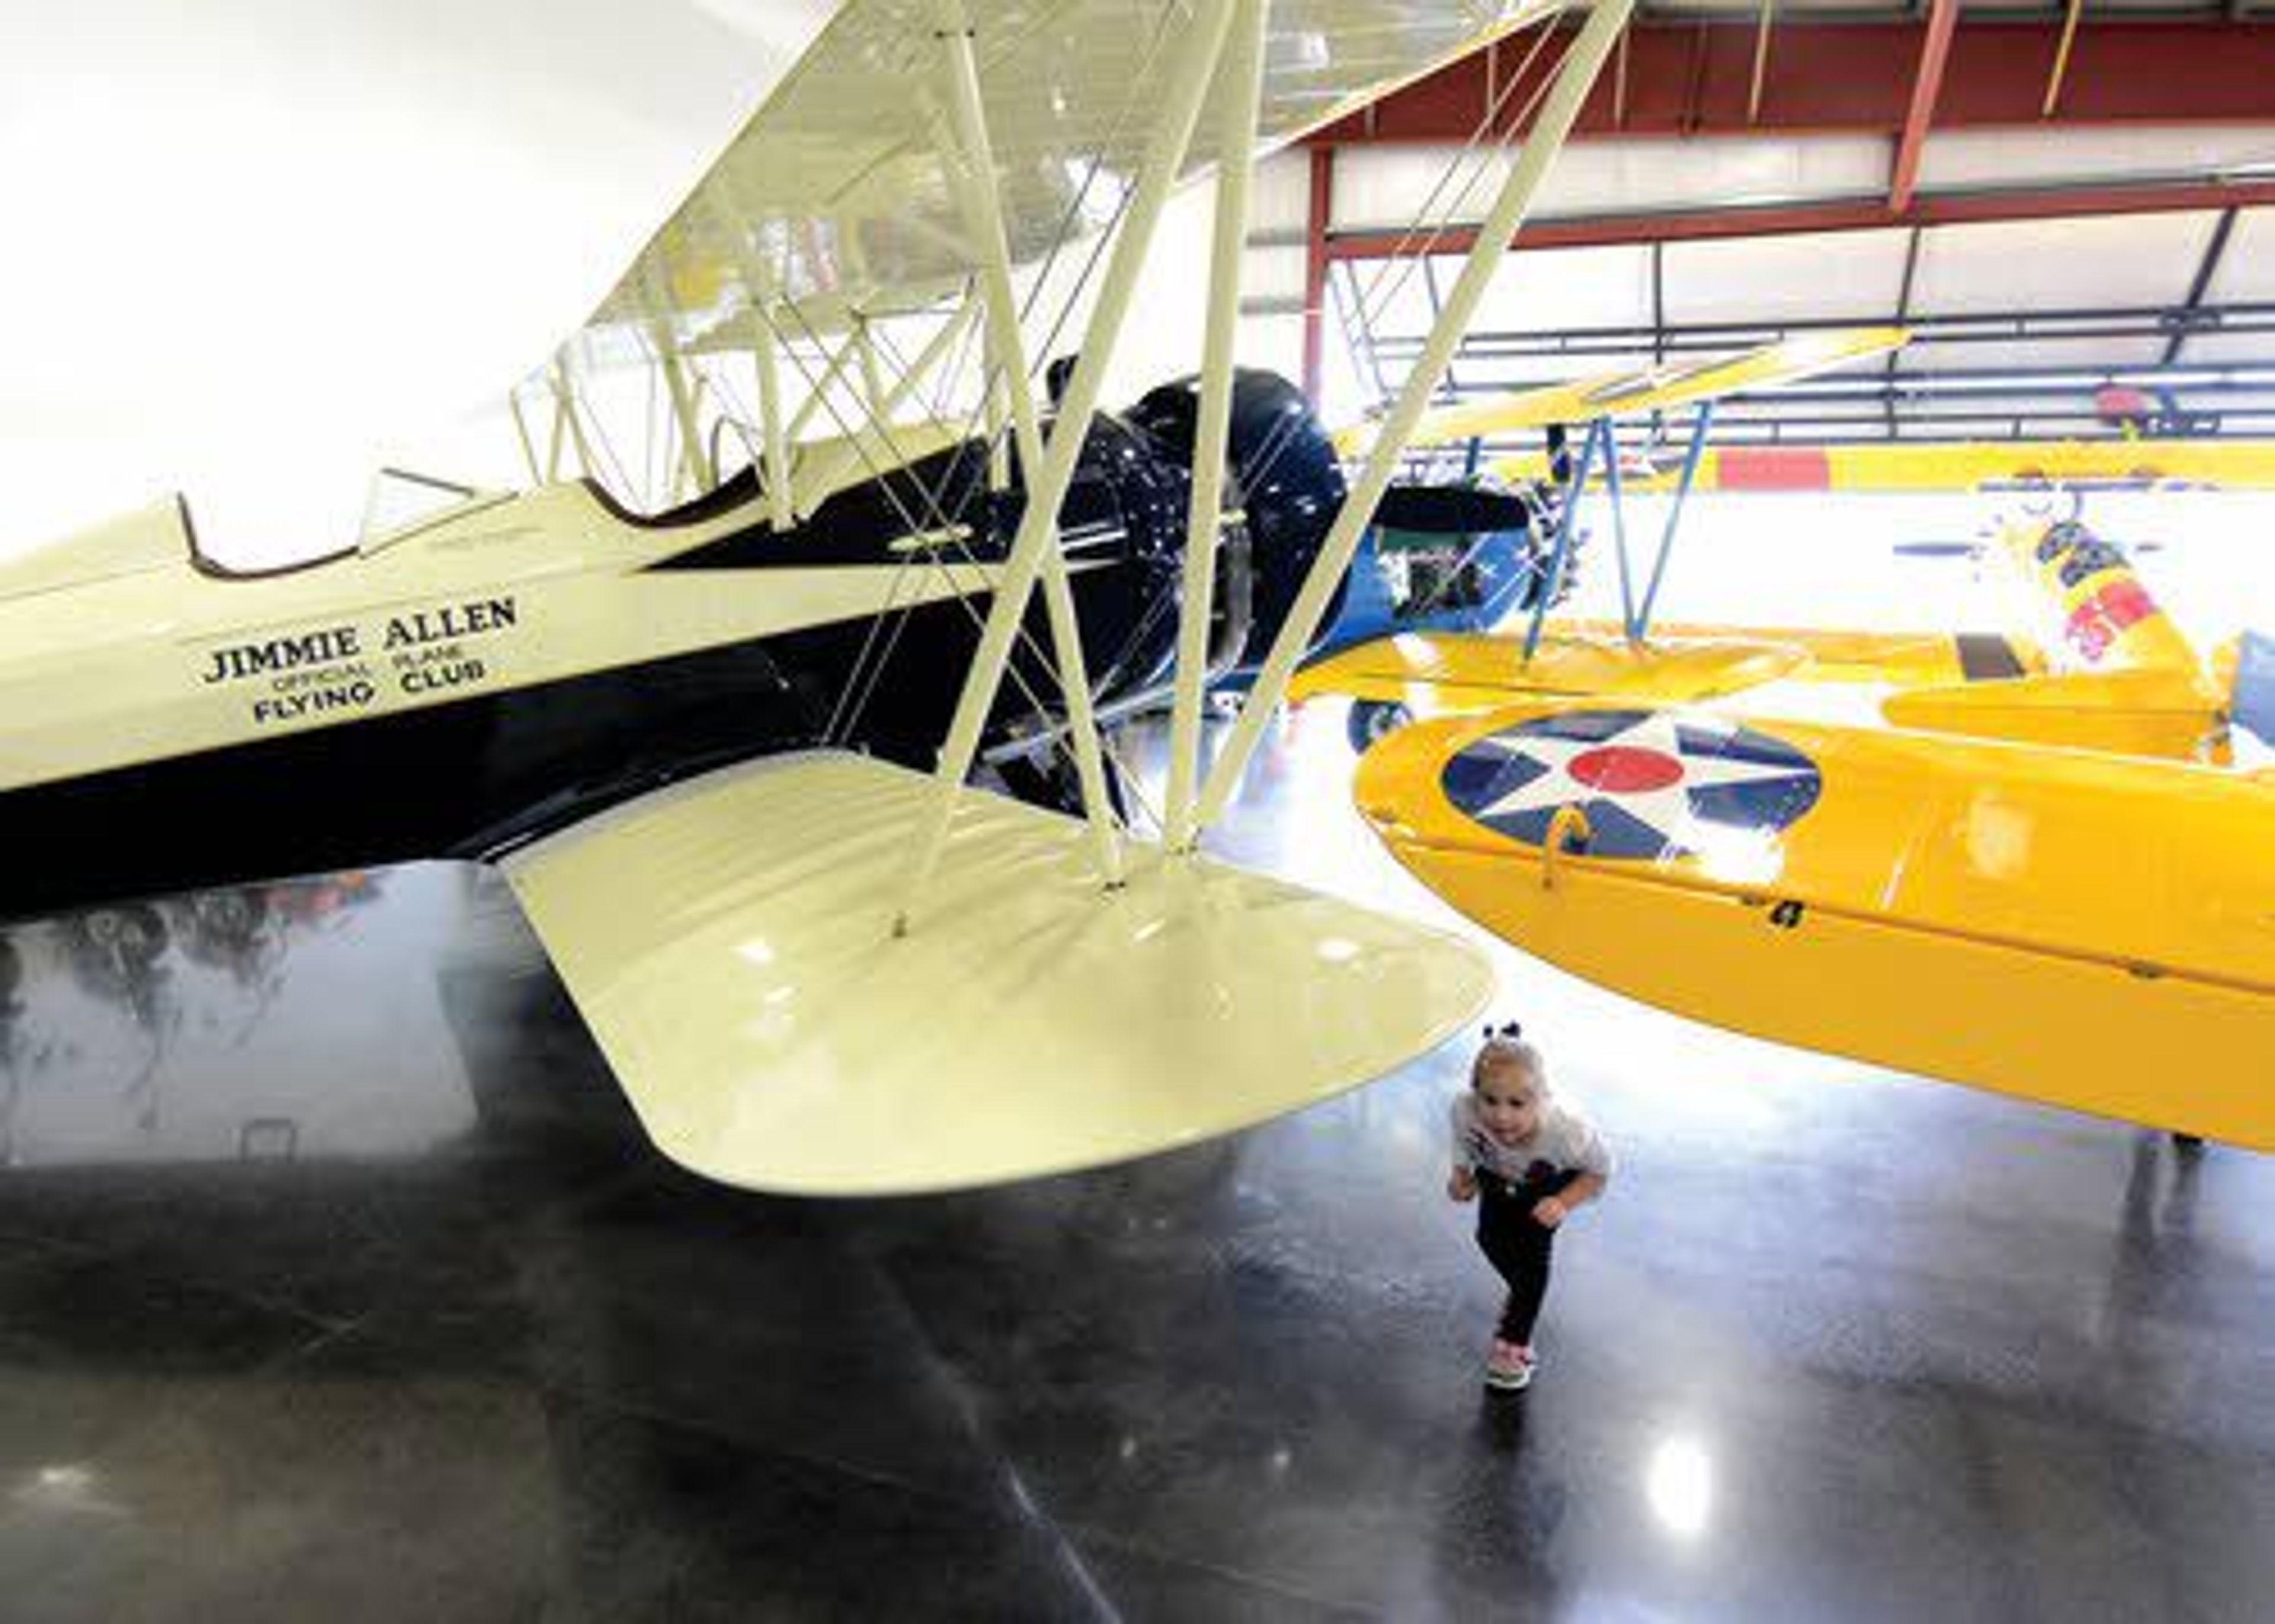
1372	720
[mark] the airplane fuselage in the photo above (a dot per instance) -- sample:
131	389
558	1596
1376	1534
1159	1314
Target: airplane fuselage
516	665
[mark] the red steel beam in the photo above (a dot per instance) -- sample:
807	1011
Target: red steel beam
1829	78
1315	264
1935	51
1929	208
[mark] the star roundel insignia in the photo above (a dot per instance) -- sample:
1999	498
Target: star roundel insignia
1649	785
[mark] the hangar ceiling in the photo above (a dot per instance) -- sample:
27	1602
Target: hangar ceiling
2061	200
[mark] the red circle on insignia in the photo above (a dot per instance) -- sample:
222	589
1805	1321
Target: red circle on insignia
1621	769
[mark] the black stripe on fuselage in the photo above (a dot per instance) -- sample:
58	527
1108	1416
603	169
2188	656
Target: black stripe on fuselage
465	777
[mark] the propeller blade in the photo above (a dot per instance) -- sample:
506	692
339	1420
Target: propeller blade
1451	509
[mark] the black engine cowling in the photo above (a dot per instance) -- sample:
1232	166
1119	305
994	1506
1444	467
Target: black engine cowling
1284	479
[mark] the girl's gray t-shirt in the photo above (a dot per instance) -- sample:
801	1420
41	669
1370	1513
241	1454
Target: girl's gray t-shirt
1563	1139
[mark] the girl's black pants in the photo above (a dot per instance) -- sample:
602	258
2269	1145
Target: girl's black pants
1517	1244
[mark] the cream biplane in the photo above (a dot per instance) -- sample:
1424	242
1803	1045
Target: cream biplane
721	751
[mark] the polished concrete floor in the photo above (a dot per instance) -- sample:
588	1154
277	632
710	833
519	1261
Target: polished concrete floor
337	1282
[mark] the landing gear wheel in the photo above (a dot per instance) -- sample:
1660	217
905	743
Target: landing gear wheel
1370	720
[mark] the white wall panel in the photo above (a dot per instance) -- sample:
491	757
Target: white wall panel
2084	354
1279	192
1521	371
1393	300
1552	290
1344	393
1381	188
1272	341
2255	350
1271	273
1835	274
2019	157
2135	260
2247	270
1780	558
1632	177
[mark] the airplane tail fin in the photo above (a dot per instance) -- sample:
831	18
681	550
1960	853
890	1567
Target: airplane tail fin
2252	703
2104	618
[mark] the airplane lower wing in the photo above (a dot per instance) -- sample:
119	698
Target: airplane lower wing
730	941
1465	670
2083	930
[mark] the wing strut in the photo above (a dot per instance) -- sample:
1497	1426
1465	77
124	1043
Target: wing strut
1702	425
873	380
1575	75
993	403
1559	560
1619	517
565	418
1165	149
521	432
1243	71
782	510
972	171
777	434
694	465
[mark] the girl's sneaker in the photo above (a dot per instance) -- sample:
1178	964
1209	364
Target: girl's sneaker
1508	1366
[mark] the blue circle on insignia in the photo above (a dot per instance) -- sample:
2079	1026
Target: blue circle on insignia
1642	778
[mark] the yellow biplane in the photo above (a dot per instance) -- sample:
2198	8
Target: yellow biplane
1390	678
2037	878
781	917
2106	668
2045	884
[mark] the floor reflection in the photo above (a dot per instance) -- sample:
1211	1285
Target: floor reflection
205	1027
337	1278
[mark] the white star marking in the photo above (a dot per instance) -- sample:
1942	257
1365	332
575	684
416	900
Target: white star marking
1666	810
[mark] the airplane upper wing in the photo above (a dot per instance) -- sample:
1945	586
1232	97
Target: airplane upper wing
839	187
447	221
1638	389
1432	670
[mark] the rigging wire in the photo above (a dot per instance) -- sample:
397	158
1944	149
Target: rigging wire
1401	264
898	487
1065	232
1402	258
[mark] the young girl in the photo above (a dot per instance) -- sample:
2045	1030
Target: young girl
1533	1162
